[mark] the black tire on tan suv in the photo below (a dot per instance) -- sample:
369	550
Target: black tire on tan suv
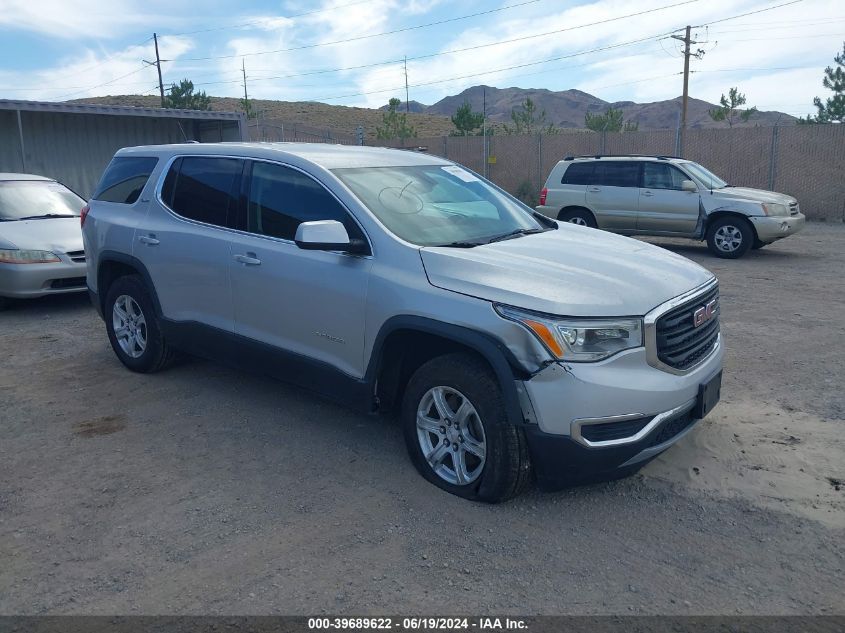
730	237
458	434
133	327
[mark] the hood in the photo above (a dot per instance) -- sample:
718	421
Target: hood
573	271
58	235
754	195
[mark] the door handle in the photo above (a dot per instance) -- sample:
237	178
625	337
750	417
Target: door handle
647	194
249	259
149	240
594	189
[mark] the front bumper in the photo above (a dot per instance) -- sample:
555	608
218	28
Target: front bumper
28	281
565	399
770	228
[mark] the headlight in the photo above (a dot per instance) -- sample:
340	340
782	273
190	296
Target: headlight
775	210
15	256
579	340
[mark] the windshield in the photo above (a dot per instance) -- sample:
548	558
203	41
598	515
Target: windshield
707	177
37	198
438	205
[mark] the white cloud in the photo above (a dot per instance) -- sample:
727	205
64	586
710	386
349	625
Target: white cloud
90	74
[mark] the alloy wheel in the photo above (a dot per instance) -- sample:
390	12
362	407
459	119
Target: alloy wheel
451	435
578	220
130	326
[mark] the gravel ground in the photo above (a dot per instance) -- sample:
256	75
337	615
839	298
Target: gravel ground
201	490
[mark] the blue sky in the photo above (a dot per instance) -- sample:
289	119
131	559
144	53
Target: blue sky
65	49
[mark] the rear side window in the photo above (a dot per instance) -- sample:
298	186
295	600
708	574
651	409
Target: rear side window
616	174
579	174
204	189
281	198
124	179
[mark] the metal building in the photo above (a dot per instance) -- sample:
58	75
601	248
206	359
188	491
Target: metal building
74	142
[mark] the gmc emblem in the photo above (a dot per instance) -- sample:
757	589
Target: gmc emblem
704	313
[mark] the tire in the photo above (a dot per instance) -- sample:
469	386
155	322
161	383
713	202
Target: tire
494	452
730	237
758	245
144	349
578	216
4	303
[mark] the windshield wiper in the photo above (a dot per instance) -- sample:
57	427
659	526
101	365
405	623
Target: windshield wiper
513	234
462	244
48	215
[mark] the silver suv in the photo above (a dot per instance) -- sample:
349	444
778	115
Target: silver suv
663	195
511	346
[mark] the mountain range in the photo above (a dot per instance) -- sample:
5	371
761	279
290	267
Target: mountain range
567	108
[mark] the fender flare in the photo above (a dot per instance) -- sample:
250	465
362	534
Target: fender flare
505	366
133	262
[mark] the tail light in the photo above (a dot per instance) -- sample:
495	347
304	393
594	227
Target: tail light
84	214
543	194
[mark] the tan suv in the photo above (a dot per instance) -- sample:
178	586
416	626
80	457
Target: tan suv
664	195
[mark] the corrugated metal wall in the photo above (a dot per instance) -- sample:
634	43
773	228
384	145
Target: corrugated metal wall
75	148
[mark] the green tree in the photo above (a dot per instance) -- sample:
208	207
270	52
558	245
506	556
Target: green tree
394	123
611	121
466	121
183	96
729	109
527	120
249	109
833	109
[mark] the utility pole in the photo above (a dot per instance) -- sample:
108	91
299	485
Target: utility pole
687	53
158	66
484	127
246	98
407	104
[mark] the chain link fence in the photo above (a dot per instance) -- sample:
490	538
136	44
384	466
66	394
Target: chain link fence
805	161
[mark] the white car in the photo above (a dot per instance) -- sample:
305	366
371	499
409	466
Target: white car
667	196
40	238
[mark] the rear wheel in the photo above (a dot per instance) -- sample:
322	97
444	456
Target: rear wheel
581	217
457	432
730	237
133	327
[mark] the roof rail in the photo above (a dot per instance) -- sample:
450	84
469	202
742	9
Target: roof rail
657	156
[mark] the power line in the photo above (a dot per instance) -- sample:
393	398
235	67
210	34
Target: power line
468	48
496	70
742	15
362	37
106	83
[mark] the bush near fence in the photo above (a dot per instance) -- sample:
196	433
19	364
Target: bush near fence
804	161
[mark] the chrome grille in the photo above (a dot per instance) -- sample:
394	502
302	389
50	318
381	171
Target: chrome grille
77	256
681	344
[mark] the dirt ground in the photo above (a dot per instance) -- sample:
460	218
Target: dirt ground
206	491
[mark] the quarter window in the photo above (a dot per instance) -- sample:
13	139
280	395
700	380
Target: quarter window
578	174
204	189
662	176
281	198
616	174
124	179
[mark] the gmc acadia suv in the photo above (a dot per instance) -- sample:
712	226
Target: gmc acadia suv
511	346
663	195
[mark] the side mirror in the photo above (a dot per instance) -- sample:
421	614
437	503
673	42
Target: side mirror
688	185
327	235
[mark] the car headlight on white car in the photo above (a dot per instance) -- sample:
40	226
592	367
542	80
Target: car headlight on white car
579	340
16	256
775	210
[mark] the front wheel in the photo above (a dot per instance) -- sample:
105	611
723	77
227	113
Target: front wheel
457	432
730	237
133	327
